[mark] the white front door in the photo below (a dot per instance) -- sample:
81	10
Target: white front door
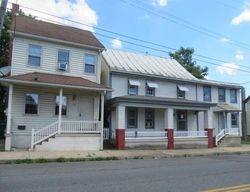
85	108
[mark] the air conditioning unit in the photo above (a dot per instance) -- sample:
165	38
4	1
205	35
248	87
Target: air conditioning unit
63	66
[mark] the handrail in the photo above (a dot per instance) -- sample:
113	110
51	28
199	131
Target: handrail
219	136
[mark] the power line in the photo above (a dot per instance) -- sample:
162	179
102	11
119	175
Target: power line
179	21
127	36
139	45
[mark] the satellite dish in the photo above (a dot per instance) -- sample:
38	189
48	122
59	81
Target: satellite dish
4	71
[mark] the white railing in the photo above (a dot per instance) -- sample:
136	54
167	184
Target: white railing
43	134
219	136
145	135
106	133
74	127
81	127
233	131
189	134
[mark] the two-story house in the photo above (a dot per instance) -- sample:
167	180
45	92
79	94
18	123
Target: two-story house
55	99
155	99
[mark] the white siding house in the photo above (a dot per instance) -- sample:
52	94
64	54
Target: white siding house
151	94
56	101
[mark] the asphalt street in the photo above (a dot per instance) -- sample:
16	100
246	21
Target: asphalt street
145	175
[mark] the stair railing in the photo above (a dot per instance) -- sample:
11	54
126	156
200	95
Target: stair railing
219	136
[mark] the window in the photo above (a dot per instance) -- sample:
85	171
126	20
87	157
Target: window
207	93
234	119
233	95
34	55
221	95
132	118
64	105
149	119
63	60
90	61
181	94
31	103
150	91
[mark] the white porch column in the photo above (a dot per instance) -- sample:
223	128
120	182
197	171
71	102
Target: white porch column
240	124
229	123
102	119
8	128
169	118
60	111
120	127
208	119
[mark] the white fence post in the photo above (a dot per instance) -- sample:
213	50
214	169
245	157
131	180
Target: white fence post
32	138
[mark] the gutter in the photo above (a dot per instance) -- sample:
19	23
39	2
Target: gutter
14	81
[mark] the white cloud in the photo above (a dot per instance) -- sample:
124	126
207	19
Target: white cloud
239	55
77	10
116	43
161	3
224	39
243	17
228	68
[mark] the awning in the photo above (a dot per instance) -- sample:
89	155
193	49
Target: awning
226	108
183	88
134	82
152	85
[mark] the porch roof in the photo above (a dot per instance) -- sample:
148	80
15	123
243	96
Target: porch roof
226	108
45	79
161	101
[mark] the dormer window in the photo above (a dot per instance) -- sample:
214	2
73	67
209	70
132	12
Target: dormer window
181	92
133	87
63	60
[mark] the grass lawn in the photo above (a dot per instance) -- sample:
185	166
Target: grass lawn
245	142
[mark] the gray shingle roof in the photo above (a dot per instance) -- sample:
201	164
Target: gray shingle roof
145	64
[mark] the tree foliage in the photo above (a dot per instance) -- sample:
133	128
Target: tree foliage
185	57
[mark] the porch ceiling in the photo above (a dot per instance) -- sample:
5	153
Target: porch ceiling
45	79
161	101
226	108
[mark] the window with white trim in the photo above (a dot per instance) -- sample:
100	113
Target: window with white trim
34	57
31	103
63	60
234	119
206	93
132	117
181	94
233	95
64	105
221	95
90	63
149	118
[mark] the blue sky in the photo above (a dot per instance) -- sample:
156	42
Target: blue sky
215	15
229	19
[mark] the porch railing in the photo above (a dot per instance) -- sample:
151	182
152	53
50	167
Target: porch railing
232	131
74	127
145	135
81	127
43	134
189	134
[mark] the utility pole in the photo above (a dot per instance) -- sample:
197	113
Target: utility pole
2	14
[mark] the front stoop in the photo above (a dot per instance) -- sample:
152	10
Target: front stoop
71	142
230	141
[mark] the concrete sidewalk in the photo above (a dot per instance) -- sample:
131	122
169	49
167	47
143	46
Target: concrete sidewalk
122	154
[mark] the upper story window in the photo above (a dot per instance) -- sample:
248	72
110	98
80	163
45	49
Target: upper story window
221	95
64	105
90	63
34	55
133	87
206	93
63	60
149	118
132	117
150	88
181	92
31	103
233	95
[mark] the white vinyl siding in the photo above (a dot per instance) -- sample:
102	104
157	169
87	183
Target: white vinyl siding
49	59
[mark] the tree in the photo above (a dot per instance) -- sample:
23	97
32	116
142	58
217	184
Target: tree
185	57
